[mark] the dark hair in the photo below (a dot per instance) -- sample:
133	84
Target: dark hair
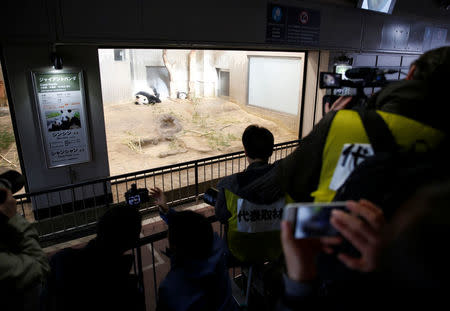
190	235
433	65
258	142
118	229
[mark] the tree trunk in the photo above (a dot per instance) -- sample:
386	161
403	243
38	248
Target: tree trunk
169	67
192	71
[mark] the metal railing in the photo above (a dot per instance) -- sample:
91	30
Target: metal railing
71	211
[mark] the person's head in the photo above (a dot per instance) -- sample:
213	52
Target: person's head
190	235
433	65
415	258
258	143
118	229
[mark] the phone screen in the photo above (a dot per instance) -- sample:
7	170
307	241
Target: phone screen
313	219
330	80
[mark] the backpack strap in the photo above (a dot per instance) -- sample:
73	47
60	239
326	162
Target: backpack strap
379	134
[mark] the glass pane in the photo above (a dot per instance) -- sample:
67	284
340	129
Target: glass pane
169	106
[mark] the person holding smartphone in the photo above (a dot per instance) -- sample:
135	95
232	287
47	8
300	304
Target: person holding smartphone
198	278
361	225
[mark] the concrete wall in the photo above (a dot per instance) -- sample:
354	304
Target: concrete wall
122	79
115	78
237	63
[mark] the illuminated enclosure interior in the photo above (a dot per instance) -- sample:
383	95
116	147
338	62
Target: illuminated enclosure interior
169	106
9	158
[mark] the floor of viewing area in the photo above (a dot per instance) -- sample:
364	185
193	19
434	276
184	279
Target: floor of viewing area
151	224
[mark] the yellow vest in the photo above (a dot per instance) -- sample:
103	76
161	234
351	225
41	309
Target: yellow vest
347	128
254	229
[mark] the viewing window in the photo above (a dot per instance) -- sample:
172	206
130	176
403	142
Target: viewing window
9	158
166	106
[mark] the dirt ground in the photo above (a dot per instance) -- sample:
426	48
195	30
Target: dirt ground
136	139
8	156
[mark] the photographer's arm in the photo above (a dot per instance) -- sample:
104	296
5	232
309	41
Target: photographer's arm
339	104
22	261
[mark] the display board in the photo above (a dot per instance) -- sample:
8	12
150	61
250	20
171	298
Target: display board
61	108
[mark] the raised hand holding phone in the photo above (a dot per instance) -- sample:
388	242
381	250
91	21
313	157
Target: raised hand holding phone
305	232
160	199
300	254
309	228
362	228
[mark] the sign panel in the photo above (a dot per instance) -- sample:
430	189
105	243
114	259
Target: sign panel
291	25
62	116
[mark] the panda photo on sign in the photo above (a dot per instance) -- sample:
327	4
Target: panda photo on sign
150	97
54	125
66	120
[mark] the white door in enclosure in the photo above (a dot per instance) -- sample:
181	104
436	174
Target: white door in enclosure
275	83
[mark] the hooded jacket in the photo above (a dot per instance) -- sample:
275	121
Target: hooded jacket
198	285
23	264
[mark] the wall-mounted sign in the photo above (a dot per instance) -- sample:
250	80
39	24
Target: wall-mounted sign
291	25
61	108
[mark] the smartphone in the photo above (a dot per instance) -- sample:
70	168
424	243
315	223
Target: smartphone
330	80
312	219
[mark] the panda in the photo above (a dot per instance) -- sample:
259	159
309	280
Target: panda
55	125
69	120
146	98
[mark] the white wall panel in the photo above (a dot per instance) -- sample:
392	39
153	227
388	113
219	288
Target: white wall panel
274	83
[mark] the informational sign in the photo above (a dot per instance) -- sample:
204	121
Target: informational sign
291	25
62	114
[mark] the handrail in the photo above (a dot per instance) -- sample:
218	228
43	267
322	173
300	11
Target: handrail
60	219
143	172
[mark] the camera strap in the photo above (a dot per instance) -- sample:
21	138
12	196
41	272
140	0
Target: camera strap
380	136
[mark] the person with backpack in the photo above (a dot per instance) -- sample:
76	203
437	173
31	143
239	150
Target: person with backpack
414	111
198	278
407	116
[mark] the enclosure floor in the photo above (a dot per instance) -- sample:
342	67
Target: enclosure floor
210	127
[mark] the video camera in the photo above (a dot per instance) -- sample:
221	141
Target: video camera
135	196
355	78
11	180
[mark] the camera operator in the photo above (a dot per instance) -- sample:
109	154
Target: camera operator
23	264
416	113
414	110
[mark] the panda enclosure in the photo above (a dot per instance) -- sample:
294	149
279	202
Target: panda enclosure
209	122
